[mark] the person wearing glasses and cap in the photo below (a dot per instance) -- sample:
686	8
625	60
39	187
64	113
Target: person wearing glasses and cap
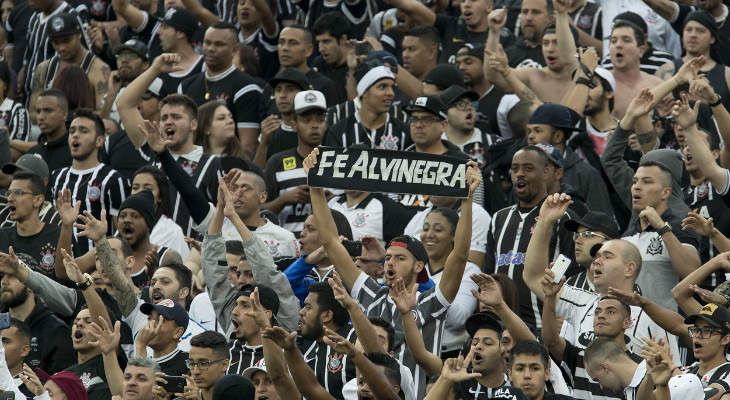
66	37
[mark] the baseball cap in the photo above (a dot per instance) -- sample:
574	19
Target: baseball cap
633	18
455	92
63	25
268	297
555	115
234	387
484	319
429	104
308	100
69	382
444	75
416	248
608	76
259	366
686	387
594	220
181	20
472	50
29	163
153	89
135	46
553	154
715	315
169	309
382	57
230	162
291	75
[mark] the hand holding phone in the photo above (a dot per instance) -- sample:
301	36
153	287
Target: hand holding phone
559	267
175	384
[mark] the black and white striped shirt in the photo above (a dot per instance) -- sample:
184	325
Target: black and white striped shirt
243	356
284	173
350	108
429	314
393	135
98	188
39	46
509	234
16	120
333	369
470	389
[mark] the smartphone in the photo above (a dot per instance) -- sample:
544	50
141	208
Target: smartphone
7	395
560	266
363	48
353	247
4	321
175	384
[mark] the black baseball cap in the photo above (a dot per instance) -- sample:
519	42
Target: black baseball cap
455	92
135	46
63	24
555	115
444	75
484	319
268	297
429	104
181	20
472	50
597	221
633	18
715	315
291	75
170	309
416	248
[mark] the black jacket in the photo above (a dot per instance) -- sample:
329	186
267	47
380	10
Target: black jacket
51	348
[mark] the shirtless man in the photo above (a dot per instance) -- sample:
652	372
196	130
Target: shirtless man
626	48
548	83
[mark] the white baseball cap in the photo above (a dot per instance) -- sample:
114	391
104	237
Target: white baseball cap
309	99
607	75
686	387
259	366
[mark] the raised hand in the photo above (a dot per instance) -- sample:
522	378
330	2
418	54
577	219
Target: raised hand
194	244
372	248
107	338
310	161
701	88
498	60
549	287
699	224
562	6
404	300
338	343
258	314
489	294
149	331
641	104
650	217
190	391
157	390
456	369
68	212
473	178
688	71
281	337
9	263
554	207
341	294
708	296
589	57
72	268
630	298
497	19
153	135
167	63
224	192
152	259
685	116
92	228
268	126
31	381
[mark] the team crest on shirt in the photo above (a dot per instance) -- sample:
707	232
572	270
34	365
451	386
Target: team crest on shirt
360	220
389	142
94	191
334	365
273	247
702	189
584	22
222	96
86	379
98	7
48	257
189	167
655	246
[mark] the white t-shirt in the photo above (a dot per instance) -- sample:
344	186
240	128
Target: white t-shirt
202	312
279	241
166	233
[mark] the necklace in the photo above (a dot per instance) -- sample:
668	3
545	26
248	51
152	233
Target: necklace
207	92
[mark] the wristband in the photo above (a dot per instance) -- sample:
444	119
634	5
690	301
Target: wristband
727	301
584	81
666	228
85	284
586	71
718	102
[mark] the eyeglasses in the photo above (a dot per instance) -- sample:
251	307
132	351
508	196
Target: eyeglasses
202	365
587	235
18	192
128	56
702	333
465	105
425	121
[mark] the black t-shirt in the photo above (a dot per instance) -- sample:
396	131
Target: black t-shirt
487	110
454	35
119	153
37	251
93	377
281	139
471	389
171	81
338	74
56	153
265	48
174	363
317	82
522	55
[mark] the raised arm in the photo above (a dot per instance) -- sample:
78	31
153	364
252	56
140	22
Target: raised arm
577	97
566	43
683	293
69	213
705	227
107	339
490	294
456	261
455	370
700	87
550	328
405	301
96	306
134	17
536	256
366	333
132	95
497	19
511	77
416	11
665	8
327	230
205	16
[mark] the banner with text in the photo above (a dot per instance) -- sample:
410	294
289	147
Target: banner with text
388	171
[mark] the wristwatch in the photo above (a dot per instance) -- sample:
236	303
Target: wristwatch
727	300
666	228
86	283
718	102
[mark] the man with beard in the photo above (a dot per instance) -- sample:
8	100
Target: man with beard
176	36
166	324
470	60
66	36
535	17
136	220
223	81
50	345
33	240
321	310
51	113
547	79
97	186
132	58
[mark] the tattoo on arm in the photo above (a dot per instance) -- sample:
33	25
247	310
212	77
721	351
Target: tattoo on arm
645	138
124	291
666	71
36	84
527	94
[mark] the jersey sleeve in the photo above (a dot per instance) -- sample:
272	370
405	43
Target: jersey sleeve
19	124
246	103
490	262
117	190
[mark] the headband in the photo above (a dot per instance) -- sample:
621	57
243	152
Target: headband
372	76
